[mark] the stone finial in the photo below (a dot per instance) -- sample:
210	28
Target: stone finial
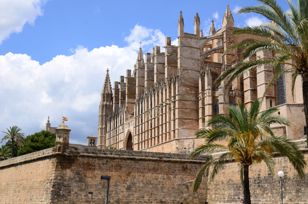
140	54
128	73
107	85
212	29
168	41
156	50
181	25
148	57
197	25
228	20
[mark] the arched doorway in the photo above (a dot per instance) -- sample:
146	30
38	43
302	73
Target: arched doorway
129	142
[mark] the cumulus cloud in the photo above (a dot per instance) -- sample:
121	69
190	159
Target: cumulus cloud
254	21
145	36
17	13
67	85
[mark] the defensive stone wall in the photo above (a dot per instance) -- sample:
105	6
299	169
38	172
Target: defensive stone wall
28	178
74	176
264	187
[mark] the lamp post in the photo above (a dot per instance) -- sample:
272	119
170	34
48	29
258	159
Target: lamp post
281	177
106	178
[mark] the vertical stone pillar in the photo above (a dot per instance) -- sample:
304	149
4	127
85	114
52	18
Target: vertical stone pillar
201	99
171	62
154	116
197	30
187	86
250	86
264	76
159	65
172	101
140	72
152	122
149	72
130	92
116	96
122	94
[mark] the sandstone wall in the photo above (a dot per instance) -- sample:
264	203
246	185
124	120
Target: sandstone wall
136	177
75	177
27	179
265	188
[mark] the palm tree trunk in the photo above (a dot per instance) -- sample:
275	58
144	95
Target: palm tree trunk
246	190
305	97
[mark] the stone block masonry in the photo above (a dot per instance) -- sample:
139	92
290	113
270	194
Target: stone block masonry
74	176
264	187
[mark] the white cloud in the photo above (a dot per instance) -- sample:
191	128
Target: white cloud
216	15
65	85
236	9
146	36
17	13
254	21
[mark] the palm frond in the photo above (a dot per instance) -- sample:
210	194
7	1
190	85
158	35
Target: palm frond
286	148
203	170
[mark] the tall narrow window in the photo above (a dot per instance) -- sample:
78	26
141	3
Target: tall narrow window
280	91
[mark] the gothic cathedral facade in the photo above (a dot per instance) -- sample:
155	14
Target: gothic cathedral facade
171	94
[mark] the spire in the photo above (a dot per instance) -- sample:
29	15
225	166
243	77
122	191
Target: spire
212	29
197	25
140	54
228	20
48	124
107	84
181	25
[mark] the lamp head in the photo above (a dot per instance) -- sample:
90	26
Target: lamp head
280	174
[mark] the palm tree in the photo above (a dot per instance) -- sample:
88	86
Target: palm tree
248	139
4	152
286	36
13	138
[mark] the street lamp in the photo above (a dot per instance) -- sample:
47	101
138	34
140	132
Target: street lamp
281	177
106	178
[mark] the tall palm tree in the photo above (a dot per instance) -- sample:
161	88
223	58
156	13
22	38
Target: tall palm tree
286	36
248	139
13	138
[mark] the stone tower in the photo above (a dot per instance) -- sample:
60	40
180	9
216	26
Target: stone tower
105	110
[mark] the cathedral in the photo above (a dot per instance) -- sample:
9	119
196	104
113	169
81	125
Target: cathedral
170	94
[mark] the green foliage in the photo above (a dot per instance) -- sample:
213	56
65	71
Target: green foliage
37	141
15	144
5	152
13	137
244	136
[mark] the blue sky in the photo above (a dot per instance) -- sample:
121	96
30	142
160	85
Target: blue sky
54	53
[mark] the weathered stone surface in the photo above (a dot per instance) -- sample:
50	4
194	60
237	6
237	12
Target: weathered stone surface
75	177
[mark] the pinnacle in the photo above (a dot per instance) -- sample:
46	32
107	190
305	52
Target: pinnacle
107	84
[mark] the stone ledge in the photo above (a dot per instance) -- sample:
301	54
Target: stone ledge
28	158
85	151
